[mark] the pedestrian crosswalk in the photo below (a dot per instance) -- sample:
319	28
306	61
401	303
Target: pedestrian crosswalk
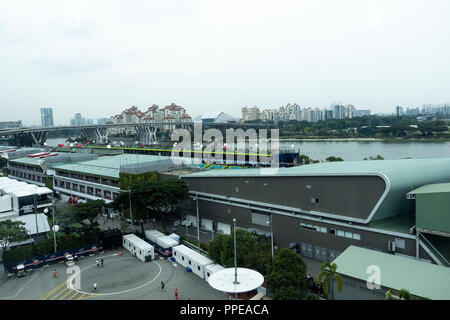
64	292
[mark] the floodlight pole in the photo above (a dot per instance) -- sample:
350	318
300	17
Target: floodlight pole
198	224
235	260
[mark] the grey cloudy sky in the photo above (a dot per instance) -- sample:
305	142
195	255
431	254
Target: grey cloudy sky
99	57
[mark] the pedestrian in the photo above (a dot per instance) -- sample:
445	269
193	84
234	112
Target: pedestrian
95	286
101	260
97	262
55	274
162	285
176	294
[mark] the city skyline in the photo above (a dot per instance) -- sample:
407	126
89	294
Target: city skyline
99	58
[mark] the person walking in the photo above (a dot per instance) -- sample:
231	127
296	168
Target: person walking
101	260
55	274
95	286
97	262
176	294
162	285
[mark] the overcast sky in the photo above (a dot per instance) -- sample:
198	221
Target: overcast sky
99	57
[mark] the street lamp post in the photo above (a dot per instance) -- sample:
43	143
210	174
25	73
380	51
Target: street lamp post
235	259
271	233
198	224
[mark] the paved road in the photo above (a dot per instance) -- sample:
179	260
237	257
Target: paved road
123	277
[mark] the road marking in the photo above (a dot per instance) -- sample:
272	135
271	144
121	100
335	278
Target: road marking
72	277
66	295
11	282
24	286
44	297
76	293
66	288
81	297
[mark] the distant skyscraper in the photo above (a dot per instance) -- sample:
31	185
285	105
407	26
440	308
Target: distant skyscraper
78	120
399	111
47	117
102	120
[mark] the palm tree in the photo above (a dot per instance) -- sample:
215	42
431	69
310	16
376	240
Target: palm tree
327	276
403	294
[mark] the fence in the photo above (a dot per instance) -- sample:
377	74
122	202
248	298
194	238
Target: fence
34	263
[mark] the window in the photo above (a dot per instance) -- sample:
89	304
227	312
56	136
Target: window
198	268
356	236
332	231
189	261
314	200
349	284
348	235
323	229
140	252
208	274
340	233
182	258
174	253
260	219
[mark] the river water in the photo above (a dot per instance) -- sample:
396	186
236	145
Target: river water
356	150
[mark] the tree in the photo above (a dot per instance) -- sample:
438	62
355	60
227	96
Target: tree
167	196
378	157
11	231
253	250
161	197
287	276
403	294
334	159
327	276
89	211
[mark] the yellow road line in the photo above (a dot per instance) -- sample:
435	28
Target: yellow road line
52	291
66	294
73	296
81	296
59	293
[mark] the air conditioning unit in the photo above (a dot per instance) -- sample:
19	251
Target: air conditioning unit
391	246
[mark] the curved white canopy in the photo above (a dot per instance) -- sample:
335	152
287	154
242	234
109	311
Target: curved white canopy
248	280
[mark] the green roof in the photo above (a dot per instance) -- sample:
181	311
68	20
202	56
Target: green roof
432	188
399	223
421	279
27	160
105	166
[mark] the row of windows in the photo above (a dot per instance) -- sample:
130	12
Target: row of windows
339	233
182	258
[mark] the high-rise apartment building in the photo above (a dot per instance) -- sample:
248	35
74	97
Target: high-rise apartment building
47	117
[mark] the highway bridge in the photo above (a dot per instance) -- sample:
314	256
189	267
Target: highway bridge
146	131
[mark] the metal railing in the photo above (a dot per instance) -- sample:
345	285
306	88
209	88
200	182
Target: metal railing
434	250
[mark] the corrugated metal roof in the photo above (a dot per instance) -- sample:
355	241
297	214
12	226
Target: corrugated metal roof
108	166
339	167
400	177
30	222
420	278
432	188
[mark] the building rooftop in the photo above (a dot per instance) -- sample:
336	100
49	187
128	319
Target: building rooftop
432	188
106	166
20	189
421	279
30	221
363	167
400	177
400	223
